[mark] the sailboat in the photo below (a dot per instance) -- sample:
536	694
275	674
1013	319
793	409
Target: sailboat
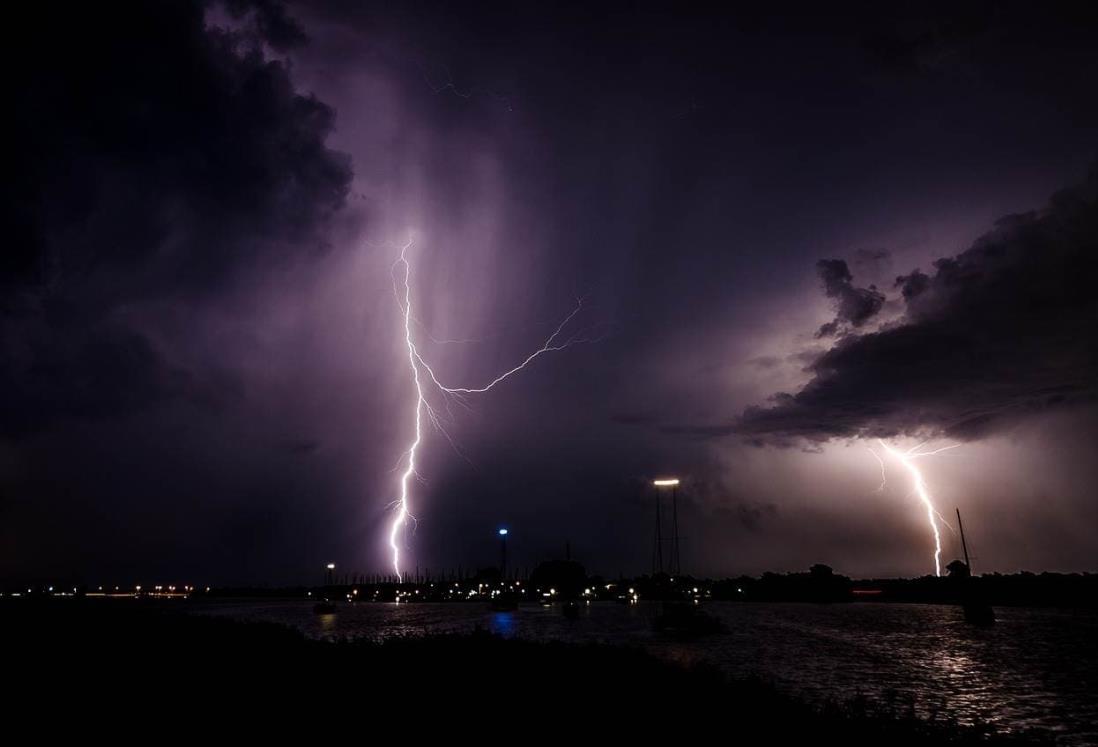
977	612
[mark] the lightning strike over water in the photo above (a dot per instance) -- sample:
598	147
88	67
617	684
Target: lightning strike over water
422	373
906	458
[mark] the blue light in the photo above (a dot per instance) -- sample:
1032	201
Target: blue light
502	532
502	624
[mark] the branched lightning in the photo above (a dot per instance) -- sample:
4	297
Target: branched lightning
422	374
884	477
440	86
906	458
547	347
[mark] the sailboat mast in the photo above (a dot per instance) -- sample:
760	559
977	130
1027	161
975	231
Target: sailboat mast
964	545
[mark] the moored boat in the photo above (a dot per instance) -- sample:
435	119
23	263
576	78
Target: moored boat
686	620
977	611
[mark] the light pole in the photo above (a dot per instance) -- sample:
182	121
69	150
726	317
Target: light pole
331	567
502	553
674	565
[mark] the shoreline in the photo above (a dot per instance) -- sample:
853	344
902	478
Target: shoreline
522	683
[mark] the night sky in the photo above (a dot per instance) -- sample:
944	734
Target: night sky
794	231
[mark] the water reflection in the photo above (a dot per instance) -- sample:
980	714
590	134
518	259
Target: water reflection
503	623
327	623
1031	670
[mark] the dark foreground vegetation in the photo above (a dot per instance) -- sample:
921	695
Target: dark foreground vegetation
99	661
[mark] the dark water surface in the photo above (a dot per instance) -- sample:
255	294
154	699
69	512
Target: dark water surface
1036	668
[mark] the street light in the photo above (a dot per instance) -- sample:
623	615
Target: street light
331	567
673	483
502	553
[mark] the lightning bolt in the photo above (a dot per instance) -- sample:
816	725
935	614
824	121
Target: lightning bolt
423	374
884	477
438	85
906	458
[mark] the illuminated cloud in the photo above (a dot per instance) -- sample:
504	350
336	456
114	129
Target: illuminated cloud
1000	332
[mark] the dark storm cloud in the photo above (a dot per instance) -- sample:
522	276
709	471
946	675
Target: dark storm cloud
151	159
930	43
73	369
750	516
872	262
173	200
913	285
271	22
1001	331
853	306
942	38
